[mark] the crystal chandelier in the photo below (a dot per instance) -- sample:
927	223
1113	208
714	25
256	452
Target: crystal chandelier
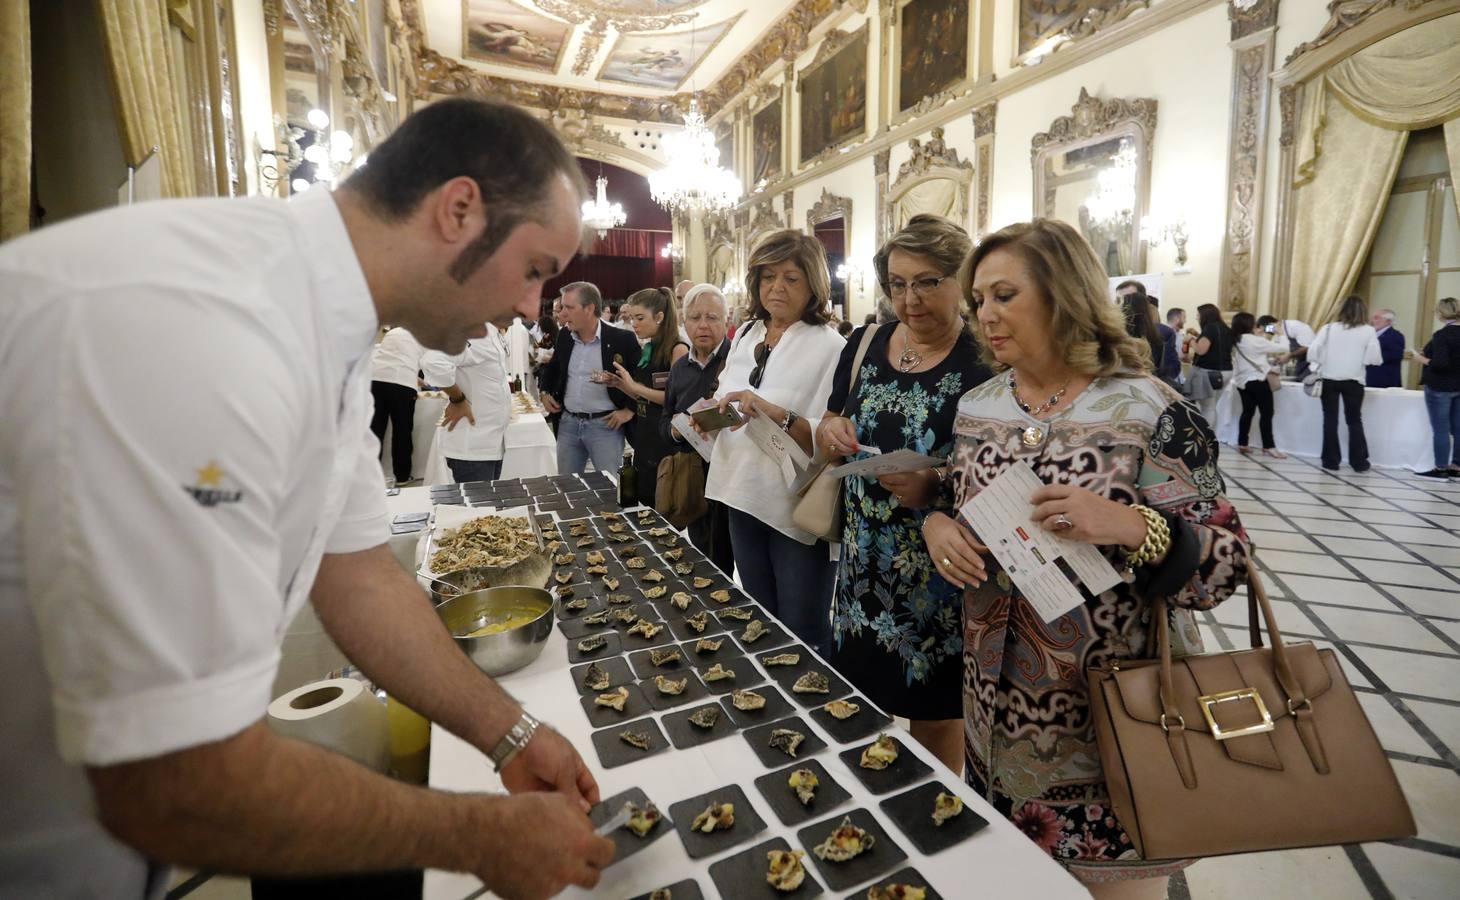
693	181
1115	189
601	215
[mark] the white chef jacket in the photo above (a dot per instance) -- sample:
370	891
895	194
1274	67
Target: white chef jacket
1299	331
396	359
480	371
519	348
186	433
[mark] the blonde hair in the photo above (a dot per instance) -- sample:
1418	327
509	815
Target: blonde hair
1448	309
808	255
1088	330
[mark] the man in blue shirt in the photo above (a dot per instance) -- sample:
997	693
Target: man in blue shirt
593	414
1169	370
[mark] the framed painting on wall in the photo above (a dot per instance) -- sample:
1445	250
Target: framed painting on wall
660	60
500	31
766	136
834	94
933	48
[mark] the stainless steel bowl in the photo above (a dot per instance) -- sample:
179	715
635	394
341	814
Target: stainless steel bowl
533	571
507	651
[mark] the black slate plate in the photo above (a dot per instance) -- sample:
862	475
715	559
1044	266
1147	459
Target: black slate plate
728	650
662	600
913	812
604	716
573	629
866	723
759	740
612	648
742	876
643	668
776	707
595	603
698	844
718	581
907	875
613	752
788	807
774	636
627	588
625	842
694	691
786	677
617	669
746	675
634	642
689	889
684	734
640	609
573	572
877	860
908	769
681	628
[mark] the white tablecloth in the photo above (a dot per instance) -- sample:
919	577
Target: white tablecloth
531	447
1395	424
997	862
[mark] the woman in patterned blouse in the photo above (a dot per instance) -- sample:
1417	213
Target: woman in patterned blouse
1073	401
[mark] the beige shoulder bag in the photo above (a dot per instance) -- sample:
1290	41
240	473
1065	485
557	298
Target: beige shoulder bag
819	504
1260	749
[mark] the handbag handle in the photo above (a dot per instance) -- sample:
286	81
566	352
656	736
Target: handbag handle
857	365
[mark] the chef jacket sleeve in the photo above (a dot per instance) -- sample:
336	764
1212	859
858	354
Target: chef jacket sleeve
365	521
148	483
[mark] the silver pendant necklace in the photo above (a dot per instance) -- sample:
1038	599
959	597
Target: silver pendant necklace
1033	436
910	359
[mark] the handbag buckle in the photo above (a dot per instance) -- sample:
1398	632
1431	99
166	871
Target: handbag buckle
1208	701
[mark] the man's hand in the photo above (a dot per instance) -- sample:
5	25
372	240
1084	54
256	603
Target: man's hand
538	844
549	763
549	404
455	412
618	418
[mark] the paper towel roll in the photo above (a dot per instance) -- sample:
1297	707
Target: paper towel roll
339	714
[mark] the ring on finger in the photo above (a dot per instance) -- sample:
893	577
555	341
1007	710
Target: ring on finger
1062	523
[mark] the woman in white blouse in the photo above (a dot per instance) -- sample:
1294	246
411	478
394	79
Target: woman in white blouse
780	367
1254	355
1341	353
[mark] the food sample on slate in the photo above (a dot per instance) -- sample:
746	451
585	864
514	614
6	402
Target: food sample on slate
945	807
784	871
658	532
842	709
653	576
754	631
611	517
716	817
894	892
665	656
674	555
705	716
846	842
740	613
639	739
551	533
577	605
684	569
596	642
718	672
646	628
565	592
699	622
669	686
614	699
704	645
563	577
616	599
645	515
780	659
625	616
671	541
487	541
879	754
597	570
578	530
812	683
595	679
598	618
620	538
655	592
612	584
629	551
804	782
701	582
681	600
746	701
667	894
786	740
554	546
563	559
584	542
594	558
637	562
642	821
617	529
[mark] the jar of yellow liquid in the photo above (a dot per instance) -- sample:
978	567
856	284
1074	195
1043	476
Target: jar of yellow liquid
410	742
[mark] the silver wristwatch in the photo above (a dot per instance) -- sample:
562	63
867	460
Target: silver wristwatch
514	741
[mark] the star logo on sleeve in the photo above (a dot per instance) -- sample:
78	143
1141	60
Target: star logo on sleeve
213	486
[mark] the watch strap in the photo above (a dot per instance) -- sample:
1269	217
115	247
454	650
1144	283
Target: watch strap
514	741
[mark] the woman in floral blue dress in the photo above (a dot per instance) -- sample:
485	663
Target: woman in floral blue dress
896	625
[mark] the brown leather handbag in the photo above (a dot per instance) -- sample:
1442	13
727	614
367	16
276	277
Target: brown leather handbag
1260	749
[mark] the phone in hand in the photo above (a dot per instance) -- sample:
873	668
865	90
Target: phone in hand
713	418
1270	329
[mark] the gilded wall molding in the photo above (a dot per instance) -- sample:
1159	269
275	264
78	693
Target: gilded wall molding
880	162
788	205
783	42
1288	113
931	155
1091	116
764	220
1252	63
984	118
1096	19
984	169
1261	14
1344	15
827	207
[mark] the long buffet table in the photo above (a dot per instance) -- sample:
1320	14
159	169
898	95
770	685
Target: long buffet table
1395	425
997	861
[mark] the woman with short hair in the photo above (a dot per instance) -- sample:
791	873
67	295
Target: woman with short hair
1128	466
1342	352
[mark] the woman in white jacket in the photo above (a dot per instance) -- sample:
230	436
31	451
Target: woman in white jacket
1254	355
1340	353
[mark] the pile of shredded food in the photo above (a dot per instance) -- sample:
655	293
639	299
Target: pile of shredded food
488	541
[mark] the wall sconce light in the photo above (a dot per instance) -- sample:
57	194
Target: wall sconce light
849	274
1156	232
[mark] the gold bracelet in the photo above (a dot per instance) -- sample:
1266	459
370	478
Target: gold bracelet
1157	542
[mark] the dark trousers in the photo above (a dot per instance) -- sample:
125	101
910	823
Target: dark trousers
711	534
1256	398
791	580
464	470
396	404
1352	393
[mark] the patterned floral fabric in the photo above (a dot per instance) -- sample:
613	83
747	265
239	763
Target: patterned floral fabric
1029	739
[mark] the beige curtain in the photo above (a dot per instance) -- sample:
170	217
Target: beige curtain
938	196
1356	119
136	36
15	145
